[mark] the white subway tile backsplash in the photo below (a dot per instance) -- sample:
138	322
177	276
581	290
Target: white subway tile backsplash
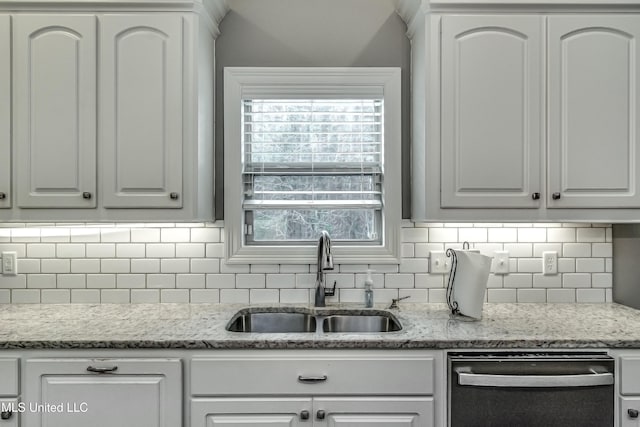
204	296
72	281
145	296
590	265
220	281
149	263
192	281
532	235
55	296
130	250
575	250
40	281
25	296
591	234
115	296
130	281
85	296
101	281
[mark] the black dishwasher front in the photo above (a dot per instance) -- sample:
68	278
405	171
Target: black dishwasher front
504	389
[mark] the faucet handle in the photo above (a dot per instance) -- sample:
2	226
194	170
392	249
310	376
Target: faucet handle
394	301
332	292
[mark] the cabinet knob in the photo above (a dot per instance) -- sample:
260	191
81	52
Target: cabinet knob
321	414
633	413
535	196
174	196
3	196
86	195
304	415
555	196
5	415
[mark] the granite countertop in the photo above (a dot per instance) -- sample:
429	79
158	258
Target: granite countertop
202	326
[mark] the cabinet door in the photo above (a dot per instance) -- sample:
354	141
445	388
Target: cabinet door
10	410
374	411
594	111
629	410
491	111
5	112
141	110
139	393
54	70
251	412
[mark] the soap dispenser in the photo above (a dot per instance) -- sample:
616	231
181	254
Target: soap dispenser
368	291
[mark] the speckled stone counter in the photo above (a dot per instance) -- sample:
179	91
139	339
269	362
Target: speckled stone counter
202	326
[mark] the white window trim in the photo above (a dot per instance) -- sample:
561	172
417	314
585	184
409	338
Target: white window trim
239	81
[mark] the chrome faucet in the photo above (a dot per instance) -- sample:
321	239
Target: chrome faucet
325	262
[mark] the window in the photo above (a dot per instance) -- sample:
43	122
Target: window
312	149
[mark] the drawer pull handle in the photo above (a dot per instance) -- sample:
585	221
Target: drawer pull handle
3	196
304	415
321	414
312	380
102	370
633	413
5	415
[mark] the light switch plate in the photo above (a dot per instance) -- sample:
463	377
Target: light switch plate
9	263
438	262
501	262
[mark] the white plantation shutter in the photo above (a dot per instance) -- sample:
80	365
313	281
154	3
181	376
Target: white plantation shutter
317	159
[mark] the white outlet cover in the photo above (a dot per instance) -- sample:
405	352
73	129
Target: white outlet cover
549	263
439	263
501	262
9	263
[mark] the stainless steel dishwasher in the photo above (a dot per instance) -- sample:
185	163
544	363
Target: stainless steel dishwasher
505	389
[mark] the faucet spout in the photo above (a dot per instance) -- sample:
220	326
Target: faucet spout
325	262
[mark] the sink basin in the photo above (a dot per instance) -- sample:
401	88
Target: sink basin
275	320
281	322
361	323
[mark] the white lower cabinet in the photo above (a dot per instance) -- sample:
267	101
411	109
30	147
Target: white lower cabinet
318	388
102	393
384	411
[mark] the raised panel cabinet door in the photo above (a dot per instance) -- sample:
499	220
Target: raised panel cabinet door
5	112
629	412
252	412
54	78
594	111
127	393
373	411
491	111
141	88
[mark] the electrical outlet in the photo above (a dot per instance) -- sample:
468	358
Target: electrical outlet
438	262
501	262
9	263
549	263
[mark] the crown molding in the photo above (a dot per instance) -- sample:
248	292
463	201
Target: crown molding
213	10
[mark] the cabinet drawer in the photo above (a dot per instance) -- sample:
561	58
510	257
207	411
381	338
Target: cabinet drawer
629	375
301	374
8	377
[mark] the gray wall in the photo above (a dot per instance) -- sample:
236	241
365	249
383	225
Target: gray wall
313	33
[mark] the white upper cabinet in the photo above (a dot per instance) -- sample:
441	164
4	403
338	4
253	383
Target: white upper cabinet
141	89
54	70
594	111
491	117
525	112
5	112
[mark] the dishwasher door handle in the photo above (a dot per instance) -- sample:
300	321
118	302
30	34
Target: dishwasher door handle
467	377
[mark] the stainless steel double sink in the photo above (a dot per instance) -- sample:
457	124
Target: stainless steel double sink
301	320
